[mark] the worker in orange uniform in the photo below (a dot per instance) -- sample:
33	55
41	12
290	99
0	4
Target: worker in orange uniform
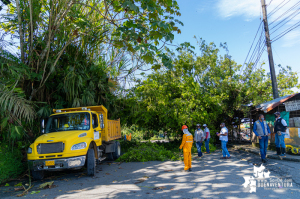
129	137
187	143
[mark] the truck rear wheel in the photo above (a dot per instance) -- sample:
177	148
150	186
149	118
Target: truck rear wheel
117	152
38	175
91	162
110	156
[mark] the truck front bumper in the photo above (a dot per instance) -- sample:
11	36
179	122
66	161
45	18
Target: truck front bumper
66	163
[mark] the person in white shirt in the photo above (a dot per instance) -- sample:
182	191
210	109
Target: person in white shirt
198	138
224	139
207	137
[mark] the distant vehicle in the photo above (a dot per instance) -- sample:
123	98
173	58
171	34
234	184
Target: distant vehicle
73	138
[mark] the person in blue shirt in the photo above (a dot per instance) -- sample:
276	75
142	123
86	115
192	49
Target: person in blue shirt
262	131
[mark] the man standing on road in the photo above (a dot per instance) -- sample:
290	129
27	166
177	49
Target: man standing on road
224	139
262	131
198	139
280	127
187	143
207	137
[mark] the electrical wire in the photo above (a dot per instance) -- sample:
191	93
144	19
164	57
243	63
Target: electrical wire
284	23
270	2
286	31
251	45
276	9
257	48
259	56
257	59
285	13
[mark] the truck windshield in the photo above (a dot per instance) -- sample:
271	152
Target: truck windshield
68	122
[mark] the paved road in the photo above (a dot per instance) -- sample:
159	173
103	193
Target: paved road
210	178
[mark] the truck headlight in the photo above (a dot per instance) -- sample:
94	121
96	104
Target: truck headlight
78	146
29	150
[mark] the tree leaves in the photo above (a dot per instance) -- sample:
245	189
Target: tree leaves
206	89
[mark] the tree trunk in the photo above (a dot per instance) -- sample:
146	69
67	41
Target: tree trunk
20	30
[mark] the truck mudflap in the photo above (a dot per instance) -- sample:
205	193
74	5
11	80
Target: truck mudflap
57	164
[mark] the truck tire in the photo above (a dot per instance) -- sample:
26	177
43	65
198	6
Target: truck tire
37	175
117	152
110	156
90	162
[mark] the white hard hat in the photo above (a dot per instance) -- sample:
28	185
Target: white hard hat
204	125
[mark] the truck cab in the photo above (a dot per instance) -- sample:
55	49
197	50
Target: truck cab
72	138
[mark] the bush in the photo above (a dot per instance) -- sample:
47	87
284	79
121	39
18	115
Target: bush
136	132
143	152
140	134
10	164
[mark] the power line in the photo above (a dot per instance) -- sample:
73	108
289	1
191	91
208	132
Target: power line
276	9
251	46
286	31
257	59
285	13
270	2
257	47
260	54
285	22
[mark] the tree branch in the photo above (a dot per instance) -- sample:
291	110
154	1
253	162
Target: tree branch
20	30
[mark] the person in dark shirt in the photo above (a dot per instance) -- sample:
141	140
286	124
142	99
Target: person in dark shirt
280	127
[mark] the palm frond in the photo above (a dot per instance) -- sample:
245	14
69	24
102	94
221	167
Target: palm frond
16	104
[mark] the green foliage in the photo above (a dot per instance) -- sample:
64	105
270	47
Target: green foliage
207	88
10	164
212	148
140	134
147	151
143	152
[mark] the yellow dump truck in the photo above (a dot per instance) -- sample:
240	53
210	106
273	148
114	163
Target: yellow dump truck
72	138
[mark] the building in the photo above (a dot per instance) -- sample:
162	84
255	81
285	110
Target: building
289	107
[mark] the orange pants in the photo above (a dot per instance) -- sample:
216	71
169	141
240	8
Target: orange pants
187	156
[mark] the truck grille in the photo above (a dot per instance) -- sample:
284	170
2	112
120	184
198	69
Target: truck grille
57	147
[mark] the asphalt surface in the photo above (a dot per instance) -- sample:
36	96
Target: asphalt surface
210	177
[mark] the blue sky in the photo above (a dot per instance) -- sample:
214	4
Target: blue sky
236	22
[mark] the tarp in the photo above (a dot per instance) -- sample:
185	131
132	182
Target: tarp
270	118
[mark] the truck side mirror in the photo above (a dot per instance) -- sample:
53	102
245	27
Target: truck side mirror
101	121
43	125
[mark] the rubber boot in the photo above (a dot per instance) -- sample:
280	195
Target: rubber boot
278	150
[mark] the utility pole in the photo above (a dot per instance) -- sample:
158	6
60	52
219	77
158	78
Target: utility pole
270	54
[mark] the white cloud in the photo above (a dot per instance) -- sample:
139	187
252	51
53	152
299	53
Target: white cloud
251	9
291	39
234	8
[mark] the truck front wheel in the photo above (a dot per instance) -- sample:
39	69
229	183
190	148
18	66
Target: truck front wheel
117	152
38	175
91	162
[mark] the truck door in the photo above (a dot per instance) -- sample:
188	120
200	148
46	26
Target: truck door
96	128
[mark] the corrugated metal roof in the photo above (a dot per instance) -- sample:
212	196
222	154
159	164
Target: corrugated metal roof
268	106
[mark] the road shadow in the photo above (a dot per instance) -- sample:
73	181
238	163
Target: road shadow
211	177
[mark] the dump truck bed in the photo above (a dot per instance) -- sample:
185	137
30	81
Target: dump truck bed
113	130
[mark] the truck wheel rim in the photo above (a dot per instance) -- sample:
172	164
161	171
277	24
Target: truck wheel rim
119	150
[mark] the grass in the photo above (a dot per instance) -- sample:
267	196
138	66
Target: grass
10	164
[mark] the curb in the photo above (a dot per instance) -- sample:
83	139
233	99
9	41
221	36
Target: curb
268	156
